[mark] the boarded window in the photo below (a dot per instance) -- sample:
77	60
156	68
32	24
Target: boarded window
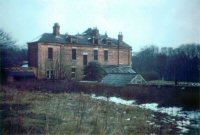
73	54
95	54
50	53
105	55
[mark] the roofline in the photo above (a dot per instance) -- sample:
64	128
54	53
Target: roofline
125	44
124	73
32	42
81	45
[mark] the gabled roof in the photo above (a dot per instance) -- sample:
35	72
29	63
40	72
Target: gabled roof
114	69
118	79
82	39
121	75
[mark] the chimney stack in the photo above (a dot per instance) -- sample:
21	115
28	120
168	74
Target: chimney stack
120	38
56	29
96	35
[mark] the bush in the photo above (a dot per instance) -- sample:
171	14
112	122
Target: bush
94	72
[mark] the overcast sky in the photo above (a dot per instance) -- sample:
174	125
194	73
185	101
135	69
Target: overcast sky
167	23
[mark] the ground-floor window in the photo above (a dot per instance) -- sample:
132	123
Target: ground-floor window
73	72
50	74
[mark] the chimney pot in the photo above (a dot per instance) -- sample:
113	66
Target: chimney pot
120	38
56	29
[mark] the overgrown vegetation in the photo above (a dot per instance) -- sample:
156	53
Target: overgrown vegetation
179	64
10	54
25	112
186	97
93	71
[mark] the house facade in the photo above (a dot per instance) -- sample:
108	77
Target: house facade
58	56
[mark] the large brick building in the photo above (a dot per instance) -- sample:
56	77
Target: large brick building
63	55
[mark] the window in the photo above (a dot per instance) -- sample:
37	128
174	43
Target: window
50	74
105	55
96	41
109	42
84	60
73	72
95	54
73	54
50	53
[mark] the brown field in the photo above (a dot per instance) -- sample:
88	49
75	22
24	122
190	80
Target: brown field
36	112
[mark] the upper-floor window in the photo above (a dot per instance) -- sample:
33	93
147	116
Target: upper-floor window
50	53
105	55
73	54
95	54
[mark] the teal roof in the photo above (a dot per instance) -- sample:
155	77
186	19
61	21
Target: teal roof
118	79
118	69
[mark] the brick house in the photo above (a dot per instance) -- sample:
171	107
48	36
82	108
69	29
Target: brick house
56	55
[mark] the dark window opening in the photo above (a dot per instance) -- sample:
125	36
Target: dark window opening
95	54
73	72
84	60
96	41
109	42
105	55
73	69
50	53
72	39
73	54
50	74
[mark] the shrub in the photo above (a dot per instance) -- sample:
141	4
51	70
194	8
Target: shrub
93	71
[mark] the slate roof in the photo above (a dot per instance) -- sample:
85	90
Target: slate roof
82	39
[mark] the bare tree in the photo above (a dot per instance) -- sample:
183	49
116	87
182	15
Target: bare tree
61	68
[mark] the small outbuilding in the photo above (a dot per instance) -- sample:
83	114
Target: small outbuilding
20	75
22	72
121	75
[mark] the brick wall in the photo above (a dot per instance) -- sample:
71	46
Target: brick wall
62	57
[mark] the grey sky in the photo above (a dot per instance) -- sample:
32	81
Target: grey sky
142	22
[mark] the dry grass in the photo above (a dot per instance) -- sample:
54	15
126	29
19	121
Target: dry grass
25	112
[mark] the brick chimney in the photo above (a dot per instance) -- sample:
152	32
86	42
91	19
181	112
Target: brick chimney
96	36
96	33
120	38
56	29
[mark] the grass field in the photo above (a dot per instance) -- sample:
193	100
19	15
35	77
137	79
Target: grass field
36	112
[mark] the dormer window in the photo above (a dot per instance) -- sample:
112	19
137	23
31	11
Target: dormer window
108	42
72	39
96	41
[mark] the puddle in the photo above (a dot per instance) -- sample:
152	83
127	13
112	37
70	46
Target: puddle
188	119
